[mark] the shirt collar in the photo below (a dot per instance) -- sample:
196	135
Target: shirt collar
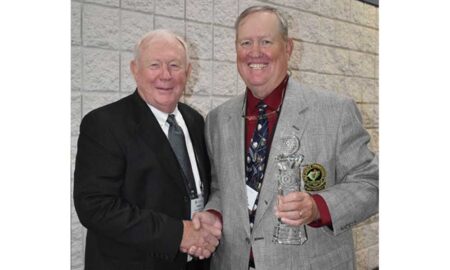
161	116
273	100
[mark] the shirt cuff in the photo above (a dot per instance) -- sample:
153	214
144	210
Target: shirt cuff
325	217
216	213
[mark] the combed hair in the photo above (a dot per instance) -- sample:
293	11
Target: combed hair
282	22
159	33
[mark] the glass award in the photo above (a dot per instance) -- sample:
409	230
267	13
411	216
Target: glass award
289	180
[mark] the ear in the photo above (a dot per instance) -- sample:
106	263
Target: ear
188	70
133	68
289	46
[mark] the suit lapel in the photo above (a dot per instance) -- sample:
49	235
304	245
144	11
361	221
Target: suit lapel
152	134
234	135
293	120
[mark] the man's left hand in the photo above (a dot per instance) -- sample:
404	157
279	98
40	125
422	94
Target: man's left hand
297	208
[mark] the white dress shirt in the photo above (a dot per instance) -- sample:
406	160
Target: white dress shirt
161	117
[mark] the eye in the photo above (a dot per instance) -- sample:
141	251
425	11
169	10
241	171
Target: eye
245	43
154	66
265	42
175	66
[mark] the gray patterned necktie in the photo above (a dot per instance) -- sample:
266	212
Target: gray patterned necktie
178	143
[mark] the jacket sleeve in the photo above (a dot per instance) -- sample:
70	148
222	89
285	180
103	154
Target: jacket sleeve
99	174
354	197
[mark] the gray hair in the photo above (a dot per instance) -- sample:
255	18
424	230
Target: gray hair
282	22
160	33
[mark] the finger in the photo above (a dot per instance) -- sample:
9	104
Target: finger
196	222
213	230
193	250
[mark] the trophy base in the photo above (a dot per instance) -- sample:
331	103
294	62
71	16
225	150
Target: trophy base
289	235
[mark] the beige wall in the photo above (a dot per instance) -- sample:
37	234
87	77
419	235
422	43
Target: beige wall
336	47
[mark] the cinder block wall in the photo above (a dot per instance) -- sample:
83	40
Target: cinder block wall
336	47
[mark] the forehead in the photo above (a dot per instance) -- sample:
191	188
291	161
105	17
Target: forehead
259	23
167	48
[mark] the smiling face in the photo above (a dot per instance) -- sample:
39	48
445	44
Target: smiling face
161	71
262	53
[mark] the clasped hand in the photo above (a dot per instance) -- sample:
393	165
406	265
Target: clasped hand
201	235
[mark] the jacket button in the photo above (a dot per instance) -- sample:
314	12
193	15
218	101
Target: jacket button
247	240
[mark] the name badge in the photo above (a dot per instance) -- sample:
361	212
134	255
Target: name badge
251	197
197	205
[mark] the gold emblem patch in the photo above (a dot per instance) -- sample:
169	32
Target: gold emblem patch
314	177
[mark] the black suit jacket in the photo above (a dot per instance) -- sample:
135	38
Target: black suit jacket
128	187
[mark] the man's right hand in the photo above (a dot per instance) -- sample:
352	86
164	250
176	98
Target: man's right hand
201	235
205	240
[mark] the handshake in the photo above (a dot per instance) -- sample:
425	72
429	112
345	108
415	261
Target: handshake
201	235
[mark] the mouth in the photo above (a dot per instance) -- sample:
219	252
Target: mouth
164	88
257	66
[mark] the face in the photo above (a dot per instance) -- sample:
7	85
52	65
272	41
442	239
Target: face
262	53
161	72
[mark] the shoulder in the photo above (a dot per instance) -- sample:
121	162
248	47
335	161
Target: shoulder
232	105
187	110
325	100
115	112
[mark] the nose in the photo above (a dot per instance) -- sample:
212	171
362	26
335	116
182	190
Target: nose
255	50
165	73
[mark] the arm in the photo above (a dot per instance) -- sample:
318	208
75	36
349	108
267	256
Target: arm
99	176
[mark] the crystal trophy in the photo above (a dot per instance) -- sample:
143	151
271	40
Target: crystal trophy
289	180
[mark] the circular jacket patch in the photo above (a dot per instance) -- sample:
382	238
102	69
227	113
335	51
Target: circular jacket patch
314	177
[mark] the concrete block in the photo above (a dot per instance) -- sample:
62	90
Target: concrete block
368	88
199	10
225	12
373	17
359	12
225	79
338	9
75	113
324	59
305	5
75	70
175	25
112	3
200	81
374	144
95	100
365	236
200	103
138	5
244	4
127	83
347	35
199	38
303	25
101	27
296	56
100	70
327	31
369	40
76	23
361	64
134	26
224	49
172	8
369	113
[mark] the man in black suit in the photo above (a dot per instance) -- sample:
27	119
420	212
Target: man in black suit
132	190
